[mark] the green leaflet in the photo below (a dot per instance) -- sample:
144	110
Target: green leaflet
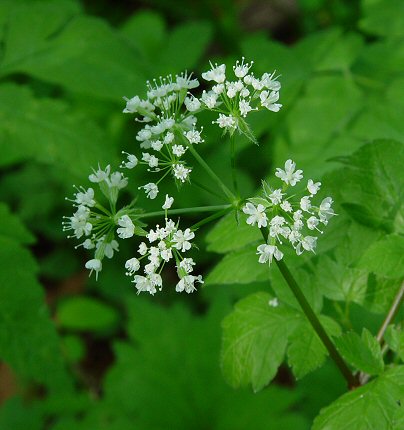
373	406
363	352
306	351
255	337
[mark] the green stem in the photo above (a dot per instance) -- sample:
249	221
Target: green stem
211	173
212	217
314	321
197	209
233	163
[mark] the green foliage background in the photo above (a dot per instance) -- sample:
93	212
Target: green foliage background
84	355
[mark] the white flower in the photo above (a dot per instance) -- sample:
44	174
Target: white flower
168	202
289	176
150	159
187	283
270	83
308	243
85	198
312	222
144	134
88	244
144	284
181	172
268	100
142	249
151	190
305	203
100	175
225	121
217	73
132	266
313	187
274	303
127	228
181	239
209	99
325	211
117	181
267	252
192	103
257	214
169	137
156	144
276	196
244	107
240	70
179	150
193	136
187	265
94	264
286	206
132	161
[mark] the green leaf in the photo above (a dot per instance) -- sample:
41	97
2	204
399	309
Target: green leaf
383	17
170	359
255	337
11	227
373	191
395	340
239	267
361	352
306	352
184	47
25	321
230	235
47	130
146	32
69	49
86	313
385	257
372	406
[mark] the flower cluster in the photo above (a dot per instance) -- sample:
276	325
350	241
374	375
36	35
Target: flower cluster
164	244
286	219
97	224
235	99
169	128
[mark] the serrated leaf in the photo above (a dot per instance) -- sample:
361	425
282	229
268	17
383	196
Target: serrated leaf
255	337
373	406
239	267
361	352
385	257
306	352
228	235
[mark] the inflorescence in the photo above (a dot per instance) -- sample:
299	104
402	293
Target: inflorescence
169	116
287	219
